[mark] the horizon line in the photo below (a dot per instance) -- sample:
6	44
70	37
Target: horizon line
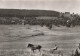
39	9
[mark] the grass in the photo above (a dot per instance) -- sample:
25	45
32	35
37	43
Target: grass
14	39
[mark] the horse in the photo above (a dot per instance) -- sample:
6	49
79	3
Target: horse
34	47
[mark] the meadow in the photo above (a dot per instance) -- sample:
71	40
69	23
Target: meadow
15	38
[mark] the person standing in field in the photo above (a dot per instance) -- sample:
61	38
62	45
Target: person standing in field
77	52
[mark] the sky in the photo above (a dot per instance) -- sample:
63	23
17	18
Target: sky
55	5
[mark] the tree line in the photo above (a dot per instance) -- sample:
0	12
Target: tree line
15	16
64	21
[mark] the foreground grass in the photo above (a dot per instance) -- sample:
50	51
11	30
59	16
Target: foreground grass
23	52
14	39
13	53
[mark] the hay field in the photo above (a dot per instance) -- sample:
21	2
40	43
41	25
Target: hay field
15	38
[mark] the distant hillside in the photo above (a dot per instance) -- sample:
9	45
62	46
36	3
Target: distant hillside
38	17
29	13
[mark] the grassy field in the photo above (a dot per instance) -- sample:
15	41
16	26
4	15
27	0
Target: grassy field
15	38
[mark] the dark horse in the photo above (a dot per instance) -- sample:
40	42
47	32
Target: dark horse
34	47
